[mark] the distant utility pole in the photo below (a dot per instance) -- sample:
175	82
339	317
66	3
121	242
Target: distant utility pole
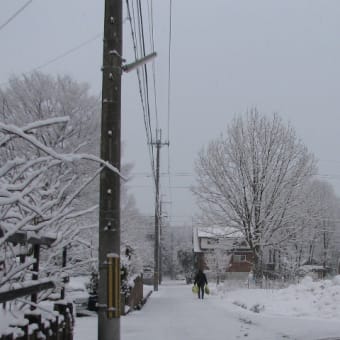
158	144
109	215
161	202
160	278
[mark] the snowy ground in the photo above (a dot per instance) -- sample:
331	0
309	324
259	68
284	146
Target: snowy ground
310	310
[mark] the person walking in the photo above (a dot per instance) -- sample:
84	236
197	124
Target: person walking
200	281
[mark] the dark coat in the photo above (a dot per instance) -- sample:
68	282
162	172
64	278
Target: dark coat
200	279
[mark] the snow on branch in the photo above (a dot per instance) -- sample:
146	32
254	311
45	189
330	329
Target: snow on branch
12	129
36	125
15	270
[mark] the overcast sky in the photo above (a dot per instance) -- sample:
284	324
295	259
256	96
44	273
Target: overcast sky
226	57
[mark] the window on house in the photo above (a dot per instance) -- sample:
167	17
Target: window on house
212	241
239	258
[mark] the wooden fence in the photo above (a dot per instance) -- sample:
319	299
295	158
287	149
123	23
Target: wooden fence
58	325
135	300
39	323
49	326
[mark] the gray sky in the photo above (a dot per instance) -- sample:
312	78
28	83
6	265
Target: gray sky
226	57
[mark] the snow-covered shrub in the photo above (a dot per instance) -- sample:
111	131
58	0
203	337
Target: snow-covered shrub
336	280
130	269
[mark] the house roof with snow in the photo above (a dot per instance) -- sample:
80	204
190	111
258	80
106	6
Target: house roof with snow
218	232
226	237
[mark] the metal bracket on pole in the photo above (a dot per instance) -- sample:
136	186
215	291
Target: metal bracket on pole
139	62
113	286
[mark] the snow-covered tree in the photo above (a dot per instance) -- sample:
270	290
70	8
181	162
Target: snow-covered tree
317	241
43	162
252	178
180	249
37	96
37	200
135	228
44	177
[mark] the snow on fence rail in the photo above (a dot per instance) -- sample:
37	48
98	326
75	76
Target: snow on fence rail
50	325
40	323
11	294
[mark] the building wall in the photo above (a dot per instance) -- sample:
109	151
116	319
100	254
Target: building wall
245	265
220	259
237	276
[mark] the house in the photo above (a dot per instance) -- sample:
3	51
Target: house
313	269
222	253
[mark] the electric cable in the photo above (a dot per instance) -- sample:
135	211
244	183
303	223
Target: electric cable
169	98
145	84
61	56
152	44
68	52
169	66
15	14
132	19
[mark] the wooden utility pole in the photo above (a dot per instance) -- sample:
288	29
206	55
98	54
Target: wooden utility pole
160	242
109	215
156	277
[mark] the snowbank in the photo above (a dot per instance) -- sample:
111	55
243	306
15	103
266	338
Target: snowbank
320	299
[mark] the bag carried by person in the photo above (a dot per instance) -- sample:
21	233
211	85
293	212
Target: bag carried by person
195	289
206	289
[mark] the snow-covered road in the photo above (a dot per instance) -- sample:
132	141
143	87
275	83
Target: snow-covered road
175	313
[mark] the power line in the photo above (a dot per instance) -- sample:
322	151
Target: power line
139	48
69	52
152	44
15	14
169	98
63	55
144	67
146	90
169	66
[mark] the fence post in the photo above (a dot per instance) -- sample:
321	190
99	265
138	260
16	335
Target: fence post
34	318
55	328
23	326
66	309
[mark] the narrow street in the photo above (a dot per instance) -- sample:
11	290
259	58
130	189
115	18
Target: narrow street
175	313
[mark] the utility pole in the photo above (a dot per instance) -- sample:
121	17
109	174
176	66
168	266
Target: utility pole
160	243
109	204
161	225
156	275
